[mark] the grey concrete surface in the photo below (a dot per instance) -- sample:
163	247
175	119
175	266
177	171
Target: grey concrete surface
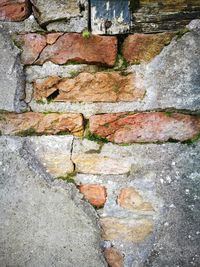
42	223
11	74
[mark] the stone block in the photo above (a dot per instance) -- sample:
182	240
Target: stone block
69	47
113	257
145	127
94	193
131	199
142	48
54	153
66	16
32	123
16	10
87	87
96	164
11	74
125	229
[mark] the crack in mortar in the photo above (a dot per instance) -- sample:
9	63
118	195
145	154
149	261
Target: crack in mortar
71	155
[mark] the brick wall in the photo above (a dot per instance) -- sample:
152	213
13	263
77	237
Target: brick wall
124	102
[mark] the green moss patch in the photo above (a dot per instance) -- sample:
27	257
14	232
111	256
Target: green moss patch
29	132
69	178
94	137
181	32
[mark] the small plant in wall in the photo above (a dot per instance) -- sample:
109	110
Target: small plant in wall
86	34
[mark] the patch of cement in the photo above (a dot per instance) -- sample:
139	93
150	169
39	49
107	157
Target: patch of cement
26	26
168	176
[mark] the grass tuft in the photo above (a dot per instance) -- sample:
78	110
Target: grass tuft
69	178
86	34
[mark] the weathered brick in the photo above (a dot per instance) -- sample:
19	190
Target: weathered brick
69	47
125	229
32	123
94	193
73	47
130	199
139	48
145	127
113	257
51	38
32	44
87	87
15	10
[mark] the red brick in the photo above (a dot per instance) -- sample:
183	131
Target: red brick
145	127
113	257
32	123
130	199
32	44
139	48
16	10
87	87
94	193
70	47
53	37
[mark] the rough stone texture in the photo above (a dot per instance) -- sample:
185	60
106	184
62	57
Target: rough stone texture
139	48
113	257
54	153
96	164
152	16
31	123
11	74
145	127
28	25
42	223
88	159
94	193
130	199
47	11
87	87
73	47
167	176
77	24
171	81
125	229
51	38
69	47
194	25
33	44
16	10
173	76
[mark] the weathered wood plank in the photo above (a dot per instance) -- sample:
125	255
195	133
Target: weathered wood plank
110	16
